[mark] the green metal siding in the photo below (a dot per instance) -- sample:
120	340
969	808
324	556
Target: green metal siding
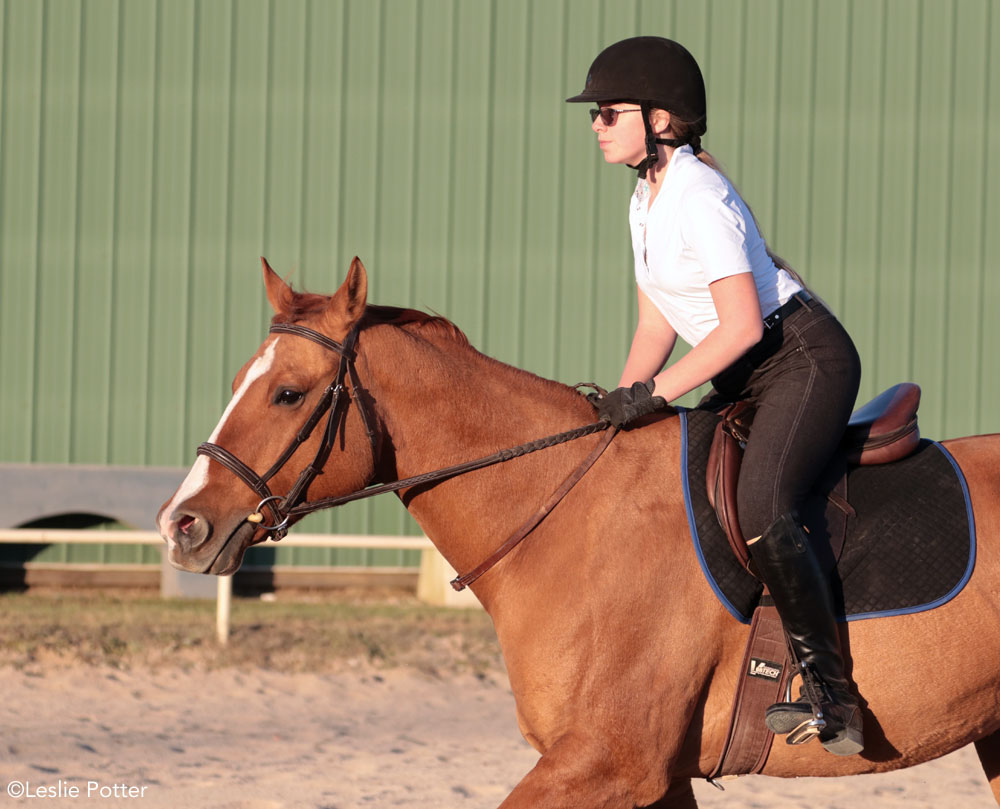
151	150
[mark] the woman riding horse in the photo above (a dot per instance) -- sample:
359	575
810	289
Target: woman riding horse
704	272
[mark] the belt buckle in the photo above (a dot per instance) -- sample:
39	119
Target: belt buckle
802	297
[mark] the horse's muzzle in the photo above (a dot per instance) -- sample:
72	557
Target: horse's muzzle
196	544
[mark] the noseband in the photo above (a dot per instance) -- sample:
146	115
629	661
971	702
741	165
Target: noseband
334	401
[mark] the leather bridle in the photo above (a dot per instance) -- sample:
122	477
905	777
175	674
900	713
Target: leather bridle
333	401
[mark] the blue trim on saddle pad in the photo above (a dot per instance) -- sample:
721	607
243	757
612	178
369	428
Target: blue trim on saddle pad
745	619
693	525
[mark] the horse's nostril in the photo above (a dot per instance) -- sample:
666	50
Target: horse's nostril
184	524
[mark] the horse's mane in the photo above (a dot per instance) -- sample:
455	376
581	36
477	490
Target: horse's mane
303	304
414	322
397	316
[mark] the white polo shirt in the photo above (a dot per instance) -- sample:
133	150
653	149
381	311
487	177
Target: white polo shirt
698	231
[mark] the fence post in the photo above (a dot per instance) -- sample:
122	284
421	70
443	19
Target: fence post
222	608
434	583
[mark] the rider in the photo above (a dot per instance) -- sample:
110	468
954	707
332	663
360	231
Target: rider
704	272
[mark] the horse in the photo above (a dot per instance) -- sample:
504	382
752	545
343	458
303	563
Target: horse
622	661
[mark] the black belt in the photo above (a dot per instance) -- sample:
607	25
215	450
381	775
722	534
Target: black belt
793	304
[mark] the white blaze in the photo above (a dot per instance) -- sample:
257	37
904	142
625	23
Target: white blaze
198	476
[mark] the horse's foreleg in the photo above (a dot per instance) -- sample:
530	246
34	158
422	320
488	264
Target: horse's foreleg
575	773
988	749
582	773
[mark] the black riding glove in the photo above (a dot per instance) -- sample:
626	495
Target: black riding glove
623	405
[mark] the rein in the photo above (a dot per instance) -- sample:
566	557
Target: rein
334	402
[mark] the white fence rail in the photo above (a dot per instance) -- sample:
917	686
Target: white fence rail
432	584
44	536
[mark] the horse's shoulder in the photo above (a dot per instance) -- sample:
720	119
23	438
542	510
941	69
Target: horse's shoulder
655	438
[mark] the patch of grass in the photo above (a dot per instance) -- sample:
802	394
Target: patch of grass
296	632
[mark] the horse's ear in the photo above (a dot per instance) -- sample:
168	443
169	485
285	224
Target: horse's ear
348	303
279	294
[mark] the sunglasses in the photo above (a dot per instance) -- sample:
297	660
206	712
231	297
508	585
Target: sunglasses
609	115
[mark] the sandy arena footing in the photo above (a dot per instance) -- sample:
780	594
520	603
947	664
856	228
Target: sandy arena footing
257	739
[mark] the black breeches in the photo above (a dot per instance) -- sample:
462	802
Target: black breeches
803	377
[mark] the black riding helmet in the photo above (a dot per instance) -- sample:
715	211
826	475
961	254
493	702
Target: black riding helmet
651	72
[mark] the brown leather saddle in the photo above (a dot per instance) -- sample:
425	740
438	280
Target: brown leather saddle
882	431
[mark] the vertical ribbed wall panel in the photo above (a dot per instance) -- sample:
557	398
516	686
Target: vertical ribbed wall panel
151	150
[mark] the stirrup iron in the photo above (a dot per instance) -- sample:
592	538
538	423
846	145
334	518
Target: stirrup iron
811	727
807	730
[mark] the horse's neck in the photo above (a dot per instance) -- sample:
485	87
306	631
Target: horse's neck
443	403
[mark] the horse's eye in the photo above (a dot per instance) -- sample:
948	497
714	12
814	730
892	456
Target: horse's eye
288	397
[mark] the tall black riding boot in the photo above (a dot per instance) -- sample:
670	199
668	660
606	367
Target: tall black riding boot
801	593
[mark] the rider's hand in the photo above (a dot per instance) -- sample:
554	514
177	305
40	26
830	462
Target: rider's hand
623	405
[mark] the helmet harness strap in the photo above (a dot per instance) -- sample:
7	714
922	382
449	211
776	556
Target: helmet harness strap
652	155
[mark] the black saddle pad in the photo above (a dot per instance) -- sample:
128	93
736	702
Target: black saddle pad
910	547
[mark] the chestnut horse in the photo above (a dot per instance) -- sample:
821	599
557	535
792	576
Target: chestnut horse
622	661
